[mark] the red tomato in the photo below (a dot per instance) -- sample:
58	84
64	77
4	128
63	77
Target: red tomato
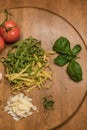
2	44
10	32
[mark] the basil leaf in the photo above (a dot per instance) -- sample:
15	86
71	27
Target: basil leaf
76	49
61	60
74	71
48	103
62	45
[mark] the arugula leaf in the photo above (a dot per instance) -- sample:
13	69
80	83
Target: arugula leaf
76	49
62	46
74	71
61	60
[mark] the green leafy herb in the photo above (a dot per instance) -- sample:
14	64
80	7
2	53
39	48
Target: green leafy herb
48	103
74	70
61	60
76	49
62	45
68	55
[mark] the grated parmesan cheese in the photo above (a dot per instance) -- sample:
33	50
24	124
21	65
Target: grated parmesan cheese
20	106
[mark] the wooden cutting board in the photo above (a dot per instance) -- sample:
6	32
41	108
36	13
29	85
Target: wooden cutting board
67	94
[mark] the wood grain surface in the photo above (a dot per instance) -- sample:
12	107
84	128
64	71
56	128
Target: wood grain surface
67	99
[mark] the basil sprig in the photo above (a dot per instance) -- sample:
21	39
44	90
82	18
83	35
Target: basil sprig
48	103
68	55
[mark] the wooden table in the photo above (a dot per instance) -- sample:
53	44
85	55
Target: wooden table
75	11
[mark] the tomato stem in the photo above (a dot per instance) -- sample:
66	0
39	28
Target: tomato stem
6	17
8	29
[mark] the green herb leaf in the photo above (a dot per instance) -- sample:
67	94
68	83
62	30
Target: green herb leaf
62	46
76	49
74	71
48	103
61	60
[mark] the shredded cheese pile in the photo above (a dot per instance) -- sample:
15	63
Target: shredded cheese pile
20	106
